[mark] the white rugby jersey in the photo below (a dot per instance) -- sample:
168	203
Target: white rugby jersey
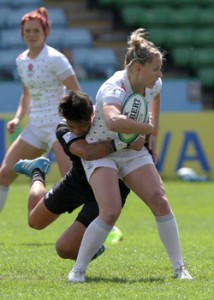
115	90
43	77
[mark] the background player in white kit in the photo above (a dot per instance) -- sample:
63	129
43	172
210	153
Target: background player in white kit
142	74
44	73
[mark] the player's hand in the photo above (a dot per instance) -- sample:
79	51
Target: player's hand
12	125
138	144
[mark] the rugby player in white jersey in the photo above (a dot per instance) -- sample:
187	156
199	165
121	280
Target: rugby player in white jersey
142	74
45	73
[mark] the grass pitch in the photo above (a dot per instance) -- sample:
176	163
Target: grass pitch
136	268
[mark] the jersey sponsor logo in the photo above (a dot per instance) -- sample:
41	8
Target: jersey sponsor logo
67	137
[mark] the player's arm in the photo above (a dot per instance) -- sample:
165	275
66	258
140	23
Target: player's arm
22	110
72	83
100	149
93	151
80	147
118	122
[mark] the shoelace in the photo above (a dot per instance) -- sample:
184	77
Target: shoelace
182	268
79	271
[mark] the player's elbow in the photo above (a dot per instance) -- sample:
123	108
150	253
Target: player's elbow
112	124
88	156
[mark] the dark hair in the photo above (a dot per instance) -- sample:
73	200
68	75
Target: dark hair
76	106
141	49
41	14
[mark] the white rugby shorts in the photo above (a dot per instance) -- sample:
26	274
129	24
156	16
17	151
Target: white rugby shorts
40	137
124	162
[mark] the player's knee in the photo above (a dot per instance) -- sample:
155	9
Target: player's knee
6	176
33	223
111	215
64	251
161	204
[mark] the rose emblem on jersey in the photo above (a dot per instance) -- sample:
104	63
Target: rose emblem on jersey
30	70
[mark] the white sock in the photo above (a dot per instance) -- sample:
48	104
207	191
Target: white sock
3	196
95	235
168	232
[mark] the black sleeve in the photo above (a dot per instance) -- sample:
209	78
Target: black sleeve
65	137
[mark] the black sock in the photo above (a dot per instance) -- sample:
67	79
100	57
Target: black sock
37	175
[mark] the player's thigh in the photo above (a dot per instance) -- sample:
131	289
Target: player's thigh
104	182
66	195
40	217
21	150
146	183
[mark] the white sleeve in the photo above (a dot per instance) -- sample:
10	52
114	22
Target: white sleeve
157	87
62	67
112	95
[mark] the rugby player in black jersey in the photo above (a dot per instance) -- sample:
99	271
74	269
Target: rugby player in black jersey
73	190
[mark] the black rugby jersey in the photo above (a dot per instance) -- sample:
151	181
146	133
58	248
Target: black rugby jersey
66	138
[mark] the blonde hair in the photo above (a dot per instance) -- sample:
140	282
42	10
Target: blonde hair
140	48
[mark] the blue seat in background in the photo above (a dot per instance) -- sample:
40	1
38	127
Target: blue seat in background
81	57
22	3
56	38
4	11
77	38
8	62
98	62
11	39
103	62
70	38
56	15
14	17
4	4
57	18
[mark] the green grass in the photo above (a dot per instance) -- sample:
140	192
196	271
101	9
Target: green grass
136	268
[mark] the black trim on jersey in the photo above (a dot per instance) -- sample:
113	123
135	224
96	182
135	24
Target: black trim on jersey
61	131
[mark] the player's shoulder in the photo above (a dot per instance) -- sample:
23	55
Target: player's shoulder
113	88
64	133
156	88
22	56
51	52
56	58
158	85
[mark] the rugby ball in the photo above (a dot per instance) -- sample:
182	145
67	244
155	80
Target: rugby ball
135	107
